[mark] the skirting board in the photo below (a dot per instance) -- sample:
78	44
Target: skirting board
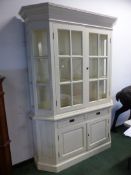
72	161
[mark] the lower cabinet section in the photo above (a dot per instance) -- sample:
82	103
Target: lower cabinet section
63	143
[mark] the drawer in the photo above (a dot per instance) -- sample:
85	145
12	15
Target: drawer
70	121
98	113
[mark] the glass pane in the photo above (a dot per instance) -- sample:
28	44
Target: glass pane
102	89
93	44
102	67
76	43
40	43
103	45
77	64
64	66
77	93
93	68
42	73
64	42
43	97
93	91
65	95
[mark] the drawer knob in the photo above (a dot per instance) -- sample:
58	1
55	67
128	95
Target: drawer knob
71	120
98	113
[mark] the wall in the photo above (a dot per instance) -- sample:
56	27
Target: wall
13	63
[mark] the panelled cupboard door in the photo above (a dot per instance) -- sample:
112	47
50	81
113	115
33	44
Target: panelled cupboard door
72	141
70	62
98	132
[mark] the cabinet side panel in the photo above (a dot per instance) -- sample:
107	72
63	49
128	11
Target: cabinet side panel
45	134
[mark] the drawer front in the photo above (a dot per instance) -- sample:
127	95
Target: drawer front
70	121
98	113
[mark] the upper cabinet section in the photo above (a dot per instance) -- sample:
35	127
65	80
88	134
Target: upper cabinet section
69	55
59	13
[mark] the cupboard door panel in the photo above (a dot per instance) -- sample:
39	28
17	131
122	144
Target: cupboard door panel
98	132
72	141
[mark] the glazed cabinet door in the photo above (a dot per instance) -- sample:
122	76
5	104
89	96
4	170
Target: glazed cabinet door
98	132
72	141
70	62
39	68
99	65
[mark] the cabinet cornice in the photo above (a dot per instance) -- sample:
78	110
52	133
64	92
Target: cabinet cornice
59	13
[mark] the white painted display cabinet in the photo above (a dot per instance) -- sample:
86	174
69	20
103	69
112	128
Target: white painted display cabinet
69	62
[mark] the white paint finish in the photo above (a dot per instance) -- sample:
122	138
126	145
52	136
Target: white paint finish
13	57
59	13
74	160
75	113
45	142
66	146
68	138
98	132
69	121
72	141
98	113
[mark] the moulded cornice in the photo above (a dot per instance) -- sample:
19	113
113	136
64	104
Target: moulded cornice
59	13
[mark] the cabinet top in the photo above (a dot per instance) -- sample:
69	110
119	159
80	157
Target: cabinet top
59	13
